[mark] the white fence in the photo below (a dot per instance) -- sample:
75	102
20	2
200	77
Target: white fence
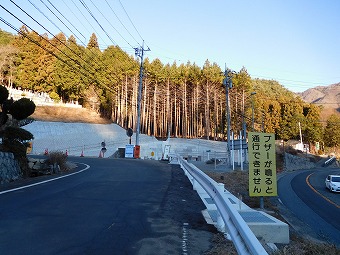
39	98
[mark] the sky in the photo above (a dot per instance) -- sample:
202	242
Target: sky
296	43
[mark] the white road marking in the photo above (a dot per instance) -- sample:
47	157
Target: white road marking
42	182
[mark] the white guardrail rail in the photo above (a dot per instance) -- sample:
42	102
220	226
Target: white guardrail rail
243	238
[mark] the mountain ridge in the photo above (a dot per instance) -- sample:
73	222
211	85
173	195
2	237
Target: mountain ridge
326	96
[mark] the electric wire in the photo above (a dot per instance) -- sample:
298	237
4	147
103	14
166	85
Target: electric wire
130	20
52	53
57	39
74	15
41	13
95	19
111	24
77	62
66	19
32	40
83	16
57	17
88	10
60	21
122	23
142	38
83	43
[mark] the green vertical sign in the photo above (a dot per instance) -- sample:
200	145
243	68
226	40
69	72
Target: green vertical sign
262	164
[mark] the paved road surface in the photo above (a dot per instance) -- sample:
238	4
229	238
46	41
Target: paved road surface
317	210
117	206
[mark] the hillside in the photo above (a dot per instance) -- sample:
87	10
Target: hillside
65	114
81	131
327	96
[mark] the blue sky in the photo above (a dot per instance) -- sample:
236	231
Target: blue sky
294	42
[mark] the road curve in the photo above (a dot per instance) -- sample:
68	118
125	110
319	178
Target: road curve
304	195
117	206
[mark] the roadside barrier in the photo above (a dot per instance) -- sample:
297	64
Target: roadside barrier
243	238
329	161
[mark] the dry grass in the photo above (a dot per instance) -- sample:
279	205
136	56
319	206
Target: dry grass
301	246
59	158
237	182
221	246
66	114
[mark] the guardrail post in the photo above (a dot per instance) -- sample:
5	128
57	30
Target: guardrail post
220	187
220	223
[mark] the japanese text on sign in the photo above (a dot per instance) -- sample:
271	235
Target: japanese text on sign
262	164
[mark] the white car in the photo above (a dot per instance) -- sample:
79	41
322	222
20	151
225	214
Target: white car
333	183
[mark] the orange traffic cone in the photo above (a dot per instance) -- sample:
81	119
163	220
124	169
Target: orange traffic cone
82	153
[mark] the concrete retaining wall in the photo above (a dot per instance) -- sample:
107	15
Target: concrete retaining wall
296	163
9	168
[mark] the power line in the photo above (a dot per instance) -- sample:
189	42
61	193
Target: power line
122	23
110	23
56	16
131	20
74	15
32	40
89	11
52	53
45	29
92	52
66	19
48	32
95	62
41	13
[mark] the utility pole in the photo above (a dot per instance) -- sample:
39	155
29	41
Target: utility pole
252	110
139	52
227	82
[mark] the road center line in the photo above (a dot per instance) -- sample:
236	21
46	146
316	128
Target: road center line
317	192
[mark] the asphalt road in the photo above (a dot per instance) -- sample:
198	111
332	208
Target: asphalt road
317	210
116	206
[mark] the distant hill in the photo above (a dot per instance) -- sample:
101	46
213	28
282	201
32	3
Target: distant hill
327	96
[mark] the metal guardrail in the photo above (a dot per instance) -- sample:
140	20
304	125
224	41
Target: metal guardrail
329	161
243	238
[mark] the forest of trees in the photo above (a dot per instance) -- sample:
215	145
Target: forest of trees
183	100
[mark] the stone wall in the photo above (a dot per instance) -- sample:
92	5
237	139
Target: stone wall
9	168
297	163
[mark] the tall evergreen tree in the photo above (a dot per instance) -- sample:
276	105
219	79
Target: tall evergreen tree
93	42
312	130
68	78
332	131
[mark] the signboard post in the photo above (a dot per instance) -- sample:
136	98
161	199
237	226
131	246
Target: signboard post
129	133
262	165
